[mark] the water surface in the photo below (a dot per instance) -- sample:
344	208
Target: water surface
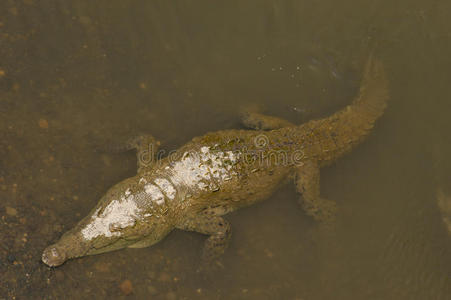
75	75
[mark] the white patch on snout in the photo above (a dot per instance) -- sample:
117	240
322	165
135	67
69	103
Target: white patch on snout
118	214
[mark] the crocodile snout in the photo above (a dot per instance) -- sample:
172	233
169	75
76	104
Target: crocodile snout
53	257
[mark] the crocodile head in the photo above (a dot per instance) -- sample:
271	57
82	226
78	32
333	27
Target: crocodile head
124	217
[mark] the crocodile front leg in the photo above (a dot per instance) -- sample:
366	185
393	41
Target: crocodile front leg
307	183
263	122
219	231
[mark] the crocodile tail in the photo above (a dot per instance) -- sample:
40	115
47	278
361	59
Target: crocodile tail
372	99
339	133
356	120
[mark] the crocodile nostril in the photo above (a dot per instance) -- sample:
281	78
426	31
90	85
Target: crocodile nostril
53	257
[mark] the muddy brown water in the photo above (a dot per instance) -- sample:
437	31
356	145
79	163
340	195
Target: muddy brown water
75	75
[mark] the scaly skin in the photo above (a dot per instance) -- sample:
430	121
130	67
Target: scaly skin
220	172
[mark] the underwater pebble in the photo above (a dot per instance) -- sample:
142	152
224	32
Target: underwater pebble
11	211
164	277
43	123
269	253
102	266
126	287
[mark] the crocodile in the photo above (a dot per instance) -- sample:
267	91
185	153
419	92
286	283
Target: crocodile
217	173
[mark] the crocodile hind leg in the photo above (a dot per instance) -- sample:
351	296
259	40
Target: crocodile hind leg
219	231
146	148
263	122
307	183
